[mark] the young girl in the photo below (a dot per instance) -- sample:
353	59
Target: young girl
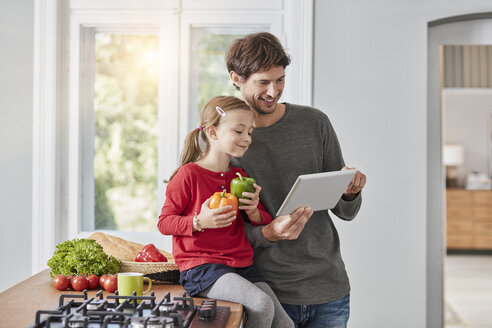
209	245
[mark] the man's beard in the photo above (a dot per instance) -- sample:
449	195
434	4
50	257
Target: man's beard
257	107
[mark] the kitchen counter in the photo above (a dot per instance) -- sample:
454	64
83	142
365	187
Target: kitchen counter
20	303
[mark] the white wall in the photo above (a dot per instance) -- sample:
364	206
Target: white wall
370	77
16	69
466	115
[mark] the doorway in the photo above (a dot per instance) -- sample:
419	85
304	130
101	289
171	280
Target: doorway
463	30
466	95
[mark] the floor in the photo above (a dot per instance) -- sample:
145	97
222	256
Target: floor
468	291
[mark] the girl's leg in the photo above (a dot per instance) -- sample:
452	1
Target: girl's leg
281	319
232	287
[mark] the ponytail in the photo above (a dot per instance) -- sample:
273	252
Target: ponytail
191	151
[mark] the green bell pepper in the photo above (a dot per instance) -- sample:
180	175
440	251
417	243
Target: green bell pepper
240	185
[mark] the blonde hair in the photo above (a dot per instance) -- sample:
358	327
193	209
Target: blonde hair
209	116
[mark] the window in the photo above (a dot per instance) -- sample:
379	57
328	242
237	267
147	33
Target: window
124	142
122	121
209	76
118	87
119	127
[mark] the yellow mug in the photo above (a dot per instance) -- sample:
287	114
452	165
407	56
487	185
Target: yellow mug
128	282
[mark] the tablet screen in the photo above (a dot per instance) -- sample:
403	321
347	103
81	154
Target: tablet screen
320	191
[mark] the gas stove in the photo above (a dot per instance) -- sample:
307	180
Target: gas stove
78	310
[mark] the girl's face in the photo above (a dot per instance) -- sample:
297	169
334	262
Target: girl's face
233	135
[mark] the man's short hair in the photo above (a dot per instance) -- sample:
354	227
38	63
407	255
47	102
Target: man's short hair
255	52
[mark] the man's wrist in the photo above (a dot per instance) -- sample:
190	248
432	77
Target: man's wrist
349	197
268	233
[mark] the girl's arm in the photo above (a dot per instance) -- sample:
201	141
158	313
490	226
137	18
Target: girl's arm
265	216
172	220
253	208
174	224
181	197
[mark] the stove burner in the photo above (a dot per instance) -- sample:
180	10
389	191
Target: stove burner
155	322
78	310
97	305
166	306
77	322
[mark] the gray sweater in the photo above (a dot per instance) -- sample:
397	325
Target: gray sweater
309	270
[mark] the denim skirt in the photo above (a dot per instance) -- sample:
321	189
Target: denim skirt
201	277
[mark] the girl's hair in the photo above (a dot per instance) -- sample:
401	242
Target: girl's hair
209	116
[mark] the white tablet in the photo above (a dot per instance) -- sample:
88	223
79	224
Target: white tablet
320	191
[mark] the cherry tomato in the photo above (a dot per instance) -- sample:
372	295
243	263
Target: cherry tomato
61	282
80	283
111	284
93	281
102	279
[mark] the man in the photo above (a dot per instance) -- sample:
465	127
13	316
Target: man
299	258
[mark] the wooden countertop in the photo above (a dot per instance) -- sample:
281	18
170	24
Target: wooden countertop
20	303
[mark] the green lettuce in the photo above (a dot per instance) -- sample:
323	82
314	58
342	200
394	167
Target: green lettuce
82	256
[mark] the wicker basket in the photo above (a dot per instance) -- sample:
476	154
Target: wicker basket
166	272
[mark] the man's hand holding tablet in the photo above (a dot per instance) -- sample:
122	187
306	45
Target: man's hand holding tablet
289	227
355	186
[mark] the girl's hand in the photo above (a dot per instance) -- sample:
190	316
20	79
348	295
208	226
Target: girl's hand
215	218
251	207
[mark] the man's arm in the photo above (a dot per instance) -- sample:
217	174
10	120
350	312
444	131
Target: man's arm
348	209
255	236
285	227
348	206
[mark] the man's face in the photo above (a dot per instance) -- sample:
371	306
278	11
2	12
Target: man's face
262	90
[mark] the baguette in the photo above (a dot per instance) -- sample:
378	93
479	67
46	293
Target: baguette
117	240
120	248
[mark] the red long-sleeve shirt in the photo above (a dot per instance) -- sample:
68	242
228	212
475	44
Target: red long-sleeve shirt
185	194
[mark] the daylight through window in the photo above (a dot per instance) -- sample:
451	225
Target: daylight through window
125	132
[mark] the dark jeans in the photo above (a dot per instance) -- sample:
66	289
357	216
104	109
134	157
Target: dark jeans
327	315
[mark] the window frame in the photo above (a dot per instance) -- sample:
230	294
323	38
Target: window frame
81	95
87	112
61	25
192	20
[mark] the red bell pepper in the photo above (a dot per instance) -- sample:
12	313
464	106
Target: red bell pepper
150	254
142	257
